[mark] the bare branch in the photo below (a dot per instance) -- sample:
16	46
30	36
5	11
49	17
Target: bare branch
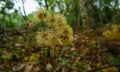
94	70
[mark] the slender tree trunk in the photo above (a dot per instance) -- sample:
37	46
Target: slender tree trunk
10	20
76	15
100	12
3	22
59	6
116	9
25	16
46	4
115	18
116	6
86	13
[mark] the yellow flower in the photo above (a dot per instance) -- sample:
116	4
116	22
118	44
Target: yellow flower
112	69
115	28
60	20
67	39
39	38
50	39
67	35
107	34
41	15
56	20
67	29
57	31
114	34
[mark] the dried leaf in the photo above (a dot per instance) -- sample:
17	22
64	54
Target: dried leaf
49	67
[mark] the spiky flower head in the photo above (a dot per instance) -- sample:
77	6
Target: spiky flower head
113	34
41	15
115	28
107	34
56	20
57	31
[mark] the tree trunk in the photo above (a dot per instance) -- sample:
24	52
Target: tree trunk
76	15
46	4
116	9
25	16
86	13
100	12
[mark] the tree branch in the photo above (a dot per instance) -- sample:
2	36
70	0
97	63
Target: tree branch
25	16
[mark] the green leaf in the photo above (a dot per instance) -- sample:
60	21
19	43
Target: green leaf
34	57
115	61
52	53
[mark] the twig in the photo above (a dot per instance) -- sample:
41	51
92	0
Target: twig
25	16
93	70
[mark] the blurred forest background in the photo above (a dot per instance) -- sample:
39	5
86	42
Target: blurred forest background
96	44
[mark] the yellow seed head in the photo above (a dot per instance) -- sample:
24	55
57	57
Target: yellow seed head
41	15
57	31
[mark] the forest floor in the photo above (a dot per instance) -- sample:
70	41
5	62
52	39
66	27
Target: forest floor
89	52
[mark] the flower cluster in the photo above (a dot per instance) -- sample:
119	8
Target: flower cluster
111	69
113	34
56	31
41	15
